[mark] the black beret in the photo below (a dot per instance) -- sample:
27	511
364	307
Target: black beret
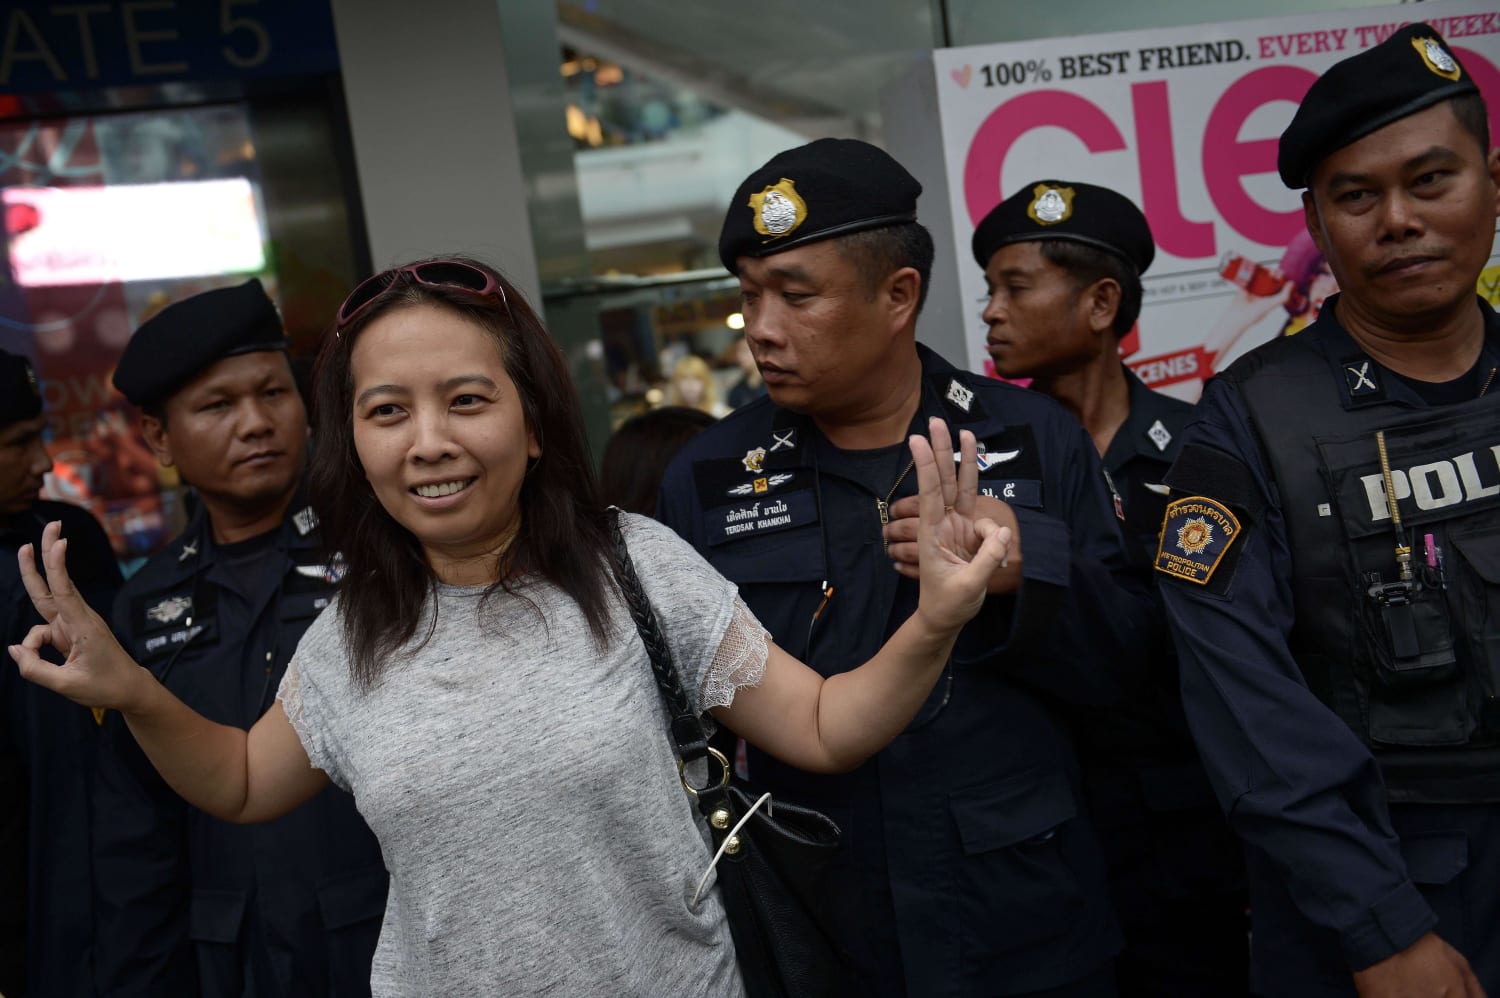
827	188
20	395
1066	209
187	337
1410	71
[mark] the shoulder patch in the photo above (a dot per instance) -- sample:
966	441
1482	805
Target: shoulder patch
1196	534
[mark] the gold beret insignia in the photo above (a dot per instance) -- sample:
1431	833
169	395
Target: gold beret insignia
1437	58
1050	205
779	209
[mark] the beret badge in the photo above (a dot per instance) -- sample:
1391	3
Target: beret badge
1437	58
779	209
31	382
1050	204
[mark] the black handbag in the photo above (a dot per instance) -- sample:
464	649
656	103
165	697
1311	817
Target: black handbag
771	867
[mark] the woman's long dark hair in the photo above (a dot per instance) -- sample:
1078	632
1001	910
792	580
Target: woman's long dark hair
564	534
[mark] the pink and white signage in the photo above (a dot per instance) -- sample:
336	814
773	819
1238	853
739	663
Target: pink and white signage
1185	122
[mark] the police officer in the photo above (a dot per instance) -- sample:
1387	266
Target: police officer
47	744
1063	263
1331	554
968	865
191	905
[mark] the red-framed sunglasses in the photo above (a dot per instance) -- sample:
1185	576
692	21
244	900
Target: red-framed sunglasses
433	273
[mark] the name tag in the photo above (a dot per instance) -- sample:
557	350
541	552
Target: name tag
1019	492
199	633
749	519
298	606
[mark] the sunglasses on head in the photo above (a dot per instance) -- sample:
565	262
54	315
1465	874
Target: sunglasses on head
433	273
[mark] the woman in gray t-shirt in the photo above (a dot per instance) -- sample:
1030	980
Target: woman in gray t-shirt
478	685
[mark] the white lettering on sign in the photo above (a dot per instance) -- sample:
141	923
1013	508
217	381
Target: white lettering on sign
1172	369
1449	492
1434	485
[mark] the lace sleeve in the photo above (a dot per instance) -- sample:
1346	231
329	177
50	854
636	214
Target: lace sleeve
739	661
290	695
304	722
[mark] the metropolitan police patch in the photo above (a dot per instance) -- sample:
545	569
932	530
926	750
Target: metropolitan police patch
1196	534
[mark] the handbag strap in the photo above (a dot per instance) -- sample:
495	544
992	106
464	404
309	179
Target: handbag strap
689	739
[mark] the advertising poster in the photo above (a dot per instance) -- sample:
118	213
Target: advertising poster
1185	122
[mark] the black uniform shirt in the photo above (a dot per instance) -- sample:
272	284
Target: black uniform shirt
939	826
1138	457
192	905
1301	785
50	745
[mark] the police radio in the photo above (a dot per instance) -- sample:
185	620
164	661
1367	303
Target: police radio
1414	614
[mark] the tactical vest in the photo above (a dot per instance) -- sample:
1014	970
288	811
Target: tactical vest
1413	667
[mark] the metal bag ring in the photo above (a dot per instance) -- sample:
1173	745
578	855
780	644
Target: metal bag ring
693	791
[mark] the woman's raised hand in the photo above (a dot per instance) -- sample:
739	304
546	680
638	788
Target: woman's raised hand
97	672
958	551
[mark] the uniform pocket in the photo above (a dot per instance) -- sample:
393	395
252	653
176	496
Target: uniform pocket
781	577
352	897
1024	807
1436	862
1435	857
1019	888
1419	695
215	916
1410	637
214	922
352	906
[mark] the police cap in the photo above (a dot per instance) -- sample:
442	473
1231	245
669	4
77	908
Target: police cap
827	188
1410	71
1066	209
20	395
187	337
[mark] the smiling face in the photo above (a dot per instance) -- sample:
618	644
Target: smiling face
1406	218
440	432
237	432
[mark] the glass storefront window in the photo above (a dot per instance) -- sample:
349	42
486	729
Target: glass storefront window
108	218
648	329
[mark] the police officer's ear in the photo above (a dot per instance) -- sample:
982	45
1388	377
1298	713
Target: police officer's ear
1492	162
154	431
1103	301
902	290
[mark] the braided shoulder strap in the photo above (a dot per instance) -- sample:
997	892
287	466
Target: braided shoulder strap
688	736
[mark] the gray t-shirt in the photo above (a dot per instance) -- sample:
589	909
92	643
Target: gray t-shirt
524	790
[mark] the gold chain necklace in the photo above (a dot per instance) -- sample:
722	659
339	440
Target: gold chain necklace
1487	382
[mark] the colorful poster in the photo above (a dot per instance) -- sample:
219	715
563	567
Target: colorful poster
1185	122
